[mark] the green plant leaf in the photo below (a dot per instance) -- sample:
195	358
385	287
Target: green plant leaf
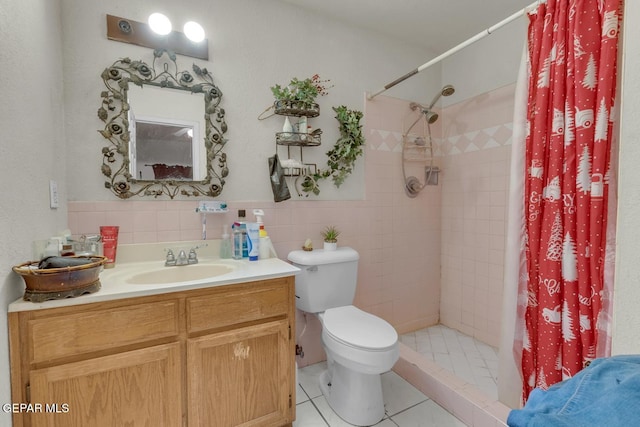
342	157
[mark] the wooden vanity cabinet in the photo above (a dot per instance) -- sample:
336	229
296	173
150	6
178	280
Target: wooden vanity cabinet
221	356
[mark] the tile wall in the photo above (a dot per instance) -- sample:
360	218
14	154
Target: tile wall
475	147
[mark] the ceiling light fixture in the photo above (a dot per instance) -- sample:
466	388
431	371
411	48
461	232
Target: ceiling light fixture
160	24
194	31
142	34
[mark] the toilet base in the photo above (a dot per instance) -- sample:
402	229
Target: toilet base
355	397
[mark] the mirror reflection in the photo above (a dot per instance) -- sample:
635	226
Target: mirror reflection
165	130
165	133
160	150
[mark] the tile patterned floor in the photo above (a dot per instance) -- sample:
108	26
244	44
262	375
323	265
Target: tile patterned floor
471	360
405	406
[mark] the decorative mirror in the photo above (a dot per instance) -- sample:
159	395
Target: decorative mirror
165	129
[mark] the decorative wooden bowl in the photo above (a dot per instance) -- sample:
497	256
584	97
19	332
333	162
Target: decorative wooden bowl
64	282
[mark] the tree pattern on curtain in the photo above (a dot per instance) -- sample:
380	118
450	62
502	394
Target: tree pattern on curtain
572	53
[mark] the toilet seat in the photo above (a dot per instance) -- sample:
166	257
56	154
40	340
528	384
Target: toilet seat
355	328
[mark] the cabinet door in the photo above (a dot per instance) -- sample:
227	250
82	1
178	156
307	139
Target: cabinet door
241	377
135	388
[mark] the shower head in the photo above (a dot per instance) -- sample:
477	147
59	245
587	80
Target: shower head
430	116
448	90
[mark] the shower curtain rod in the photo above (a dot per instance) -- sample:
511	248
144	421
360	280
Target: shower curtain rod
461	46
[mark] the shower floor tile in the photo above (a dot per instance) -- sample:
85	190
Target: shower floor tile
471	360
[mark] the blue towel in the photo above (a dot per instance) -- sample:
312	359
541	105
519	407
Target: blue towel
604	394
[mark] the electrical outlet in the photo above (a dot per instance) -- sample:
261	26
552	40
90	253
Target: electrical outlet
53	194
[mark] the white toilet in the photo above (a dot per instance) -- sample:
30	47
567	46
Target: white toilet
359	345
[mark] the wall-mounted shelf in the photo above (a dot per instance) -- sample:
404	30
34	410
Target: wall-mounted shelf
297	139
296	109
304	168
212	206
417	153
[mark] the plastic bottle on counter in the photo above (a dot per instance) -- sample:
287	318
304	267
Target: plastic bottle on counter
265	249
253	243
225	244
238	239
240	244
52	248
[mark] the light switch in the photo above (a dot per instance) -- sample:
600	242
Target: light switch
53	194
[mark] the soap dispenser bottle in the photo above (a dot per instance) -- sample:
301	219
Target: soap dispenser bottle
237	241
265	247
225	244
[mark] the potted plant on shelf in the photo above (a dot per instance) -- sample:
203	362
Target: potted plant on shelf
299	96
330	236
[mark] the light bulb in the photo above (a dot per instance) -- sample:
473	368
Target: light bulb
160	24
194	31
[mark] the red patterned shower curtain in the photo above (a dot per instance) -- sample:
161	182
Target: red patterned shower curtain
572	52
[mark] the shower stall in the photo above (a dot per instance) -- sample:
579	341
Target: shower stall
462	247
474	156
471	146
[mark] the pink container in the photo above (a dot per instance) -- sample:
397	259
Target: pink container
109	235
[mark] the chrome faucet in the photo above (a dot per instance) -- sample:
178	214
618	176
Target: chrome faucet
171	259
183	258
193	257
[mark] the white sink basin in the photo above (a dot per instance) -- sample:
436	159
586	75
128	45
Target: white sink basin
184	273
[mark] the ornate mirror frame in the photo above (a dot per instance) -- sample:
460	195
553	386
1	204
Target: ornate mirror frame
114	112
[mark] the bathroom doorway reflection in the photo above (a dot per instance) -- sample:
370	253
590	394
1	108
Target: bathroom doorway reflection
163	149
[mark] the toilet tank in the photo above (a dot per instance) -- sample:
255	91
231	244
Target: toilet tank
327	278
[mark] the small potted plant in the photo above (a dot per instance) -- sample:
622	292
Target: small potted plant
330	236
299	96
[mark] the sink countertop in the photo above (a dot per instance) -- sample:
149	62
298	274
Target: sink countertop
115	287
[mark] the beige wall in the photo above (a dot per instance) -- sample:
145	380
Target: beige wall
32	150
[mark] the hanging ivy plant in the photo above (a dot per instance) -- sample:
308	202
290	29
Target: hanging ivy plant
343	155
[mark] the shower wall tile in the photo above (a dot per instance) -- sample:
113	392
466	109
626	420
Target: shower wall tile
410	228
475	146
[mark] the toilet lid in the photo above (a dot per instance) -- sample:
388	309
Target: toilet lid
358	328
